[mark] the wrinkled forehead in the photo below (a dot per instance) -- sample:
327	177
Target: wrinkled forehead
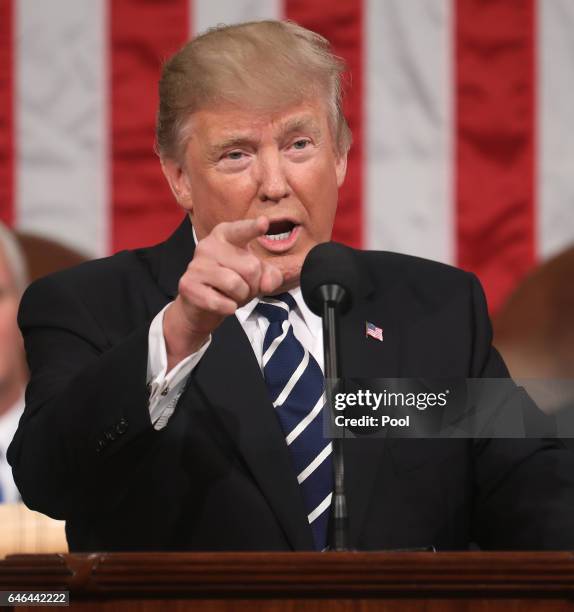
225	122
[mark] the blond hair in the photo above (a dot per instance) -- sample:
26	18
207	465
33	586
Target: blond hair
262	65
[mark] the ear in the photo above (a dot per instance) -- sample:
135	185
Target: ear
341	168
178	181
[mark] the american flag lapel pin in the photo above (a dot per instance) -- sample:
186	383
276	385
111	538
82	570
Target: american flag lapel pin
373	331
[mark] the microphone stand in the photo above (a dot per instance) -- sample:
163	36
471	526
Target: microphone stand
332	297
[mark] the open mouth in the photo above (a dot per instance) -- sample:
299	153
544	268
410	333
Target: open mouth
280	230
281	236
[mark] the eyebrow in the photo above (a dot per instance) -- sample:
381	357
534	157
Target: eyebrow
238	140
300	124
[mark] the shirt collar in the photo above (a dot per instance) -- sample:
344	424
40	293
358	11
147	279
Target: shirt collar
312	321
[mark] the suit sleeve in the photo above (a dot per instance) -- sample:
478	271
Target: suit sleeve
524	496
86	427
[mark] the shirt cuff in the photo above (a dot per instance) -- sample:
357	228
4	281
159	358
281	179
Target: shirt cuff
165	388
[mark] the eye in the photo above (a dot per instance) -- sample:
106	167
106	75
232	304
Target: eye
300	144
234	155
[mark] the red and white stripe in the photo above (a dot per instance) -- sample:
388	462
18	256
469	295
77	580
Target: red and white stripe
460	110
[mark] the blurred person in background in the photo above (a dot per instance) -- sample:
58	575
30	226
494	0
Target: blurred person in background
21	529
13	371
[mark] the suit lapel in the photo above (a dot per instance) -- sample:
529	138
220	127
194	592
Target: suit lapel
230	377
171	258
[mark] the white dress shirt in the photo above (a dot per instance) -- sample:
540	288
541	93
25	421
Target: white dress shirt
166	387
8	425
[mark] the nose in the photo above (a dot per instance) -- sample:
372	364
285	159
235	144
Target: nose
273	184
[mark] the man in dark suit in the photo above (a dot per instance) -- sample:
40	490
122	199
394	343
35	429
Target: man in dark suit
166	409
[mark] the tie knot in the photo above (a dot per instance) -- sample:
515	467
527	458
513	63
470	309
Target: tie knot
276	308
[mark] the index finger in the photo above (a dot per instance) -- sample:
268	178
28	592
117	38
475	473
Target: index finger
241	233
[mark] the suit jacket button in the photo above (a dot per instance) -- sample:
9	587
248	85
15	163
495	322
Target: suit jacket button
121	426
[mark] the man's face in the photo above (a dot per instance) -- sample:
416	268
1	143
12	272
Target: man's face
11	347
240	164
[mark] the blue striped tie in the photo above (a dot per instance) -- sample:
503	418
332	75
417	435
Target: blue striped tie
296	386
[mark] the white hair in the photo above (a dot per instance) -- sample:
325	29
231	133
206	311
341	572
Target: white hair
14	255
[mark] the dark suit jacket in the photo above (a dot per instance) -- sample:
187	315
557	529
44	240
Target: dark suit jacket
218	477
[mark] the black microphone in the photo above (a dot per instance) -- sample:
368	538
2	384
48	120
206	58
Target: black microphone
328	283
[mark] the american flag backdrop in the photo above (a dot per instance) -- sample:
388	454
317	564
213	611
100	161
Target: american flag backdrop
462	113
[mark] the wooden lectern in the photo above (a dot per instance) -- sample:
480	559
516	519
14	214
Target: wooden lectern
300	581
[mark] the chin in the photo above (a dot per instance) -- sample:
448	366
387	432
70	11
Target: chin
290	266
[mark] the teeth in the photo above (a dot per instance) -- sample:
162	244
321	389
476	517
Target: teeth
282	236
